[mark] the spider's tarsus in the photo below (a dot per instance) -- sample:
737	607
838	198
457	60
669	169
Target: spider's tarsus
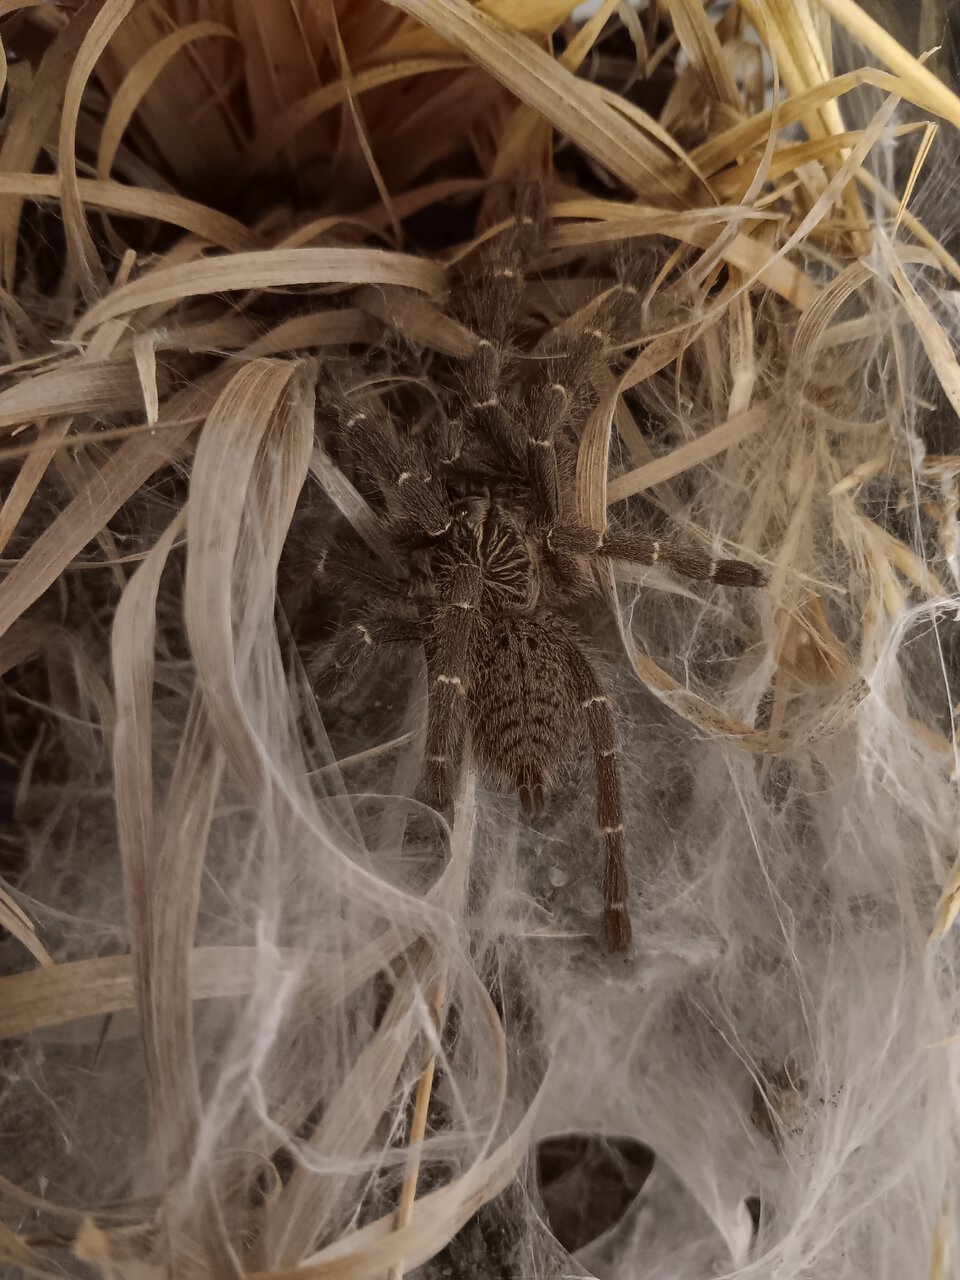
618	932
737	573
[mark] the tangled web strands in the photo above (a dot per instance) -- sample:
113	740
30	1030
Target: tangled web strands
269	1012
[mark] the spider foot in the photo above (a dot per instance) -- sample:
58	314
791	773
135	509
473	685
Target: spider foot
617	930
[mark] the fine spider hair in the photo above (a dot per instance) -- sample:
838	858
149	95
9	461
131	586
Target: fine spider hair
489	559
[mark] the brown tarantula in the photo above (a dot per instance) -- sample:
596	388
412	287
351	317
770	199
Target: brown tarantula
486	556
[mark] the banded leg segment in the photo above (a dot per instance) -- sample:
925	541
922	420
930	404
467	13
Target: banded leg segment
494	303
597	710
546	413
483	408
495	300
353	566
642	549
450	668
357	643
414	497
556	406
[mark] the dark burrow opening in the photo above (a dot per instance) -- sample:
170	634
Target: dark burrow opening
587	1182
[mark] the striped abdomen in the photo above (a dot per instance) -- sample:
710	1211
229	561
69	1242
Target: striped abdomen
523	705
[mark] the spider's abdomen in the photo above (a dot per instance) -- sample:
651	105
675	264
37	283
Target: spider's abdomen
524	710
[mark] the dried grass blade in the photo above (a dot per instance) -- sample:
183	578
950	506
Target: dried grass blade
280	130
756	261
17	923
163	944
574	106
348	500
140	202
303	1211
162	925
194	130
36	120
724	148
912	223
593	459
342	327
921	86
29	474
929	135
698	36
310	1199
519	15
266	400
58	994
418	1125
935	342
81	251
132	643
835	190
368	1253
528	131
75	387
456	878
720	438
265	269
419	321
65	993
361	132
140	79
787	29
587	35
17	1253
121	476
145	355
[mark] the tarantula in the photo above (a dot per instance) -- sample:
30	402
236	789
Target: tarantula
486	558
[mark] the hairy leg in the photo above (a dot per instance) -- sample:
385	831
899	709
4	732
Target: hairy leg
642	549
597	710
450	669
415	498
553	411
357	643
494	306
354	566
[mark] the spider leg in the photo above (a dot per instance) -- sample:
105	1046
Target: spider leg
353	566
484	410
449	667
546	413
554	407
358	642
642	549
494	304
416	502
595	703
